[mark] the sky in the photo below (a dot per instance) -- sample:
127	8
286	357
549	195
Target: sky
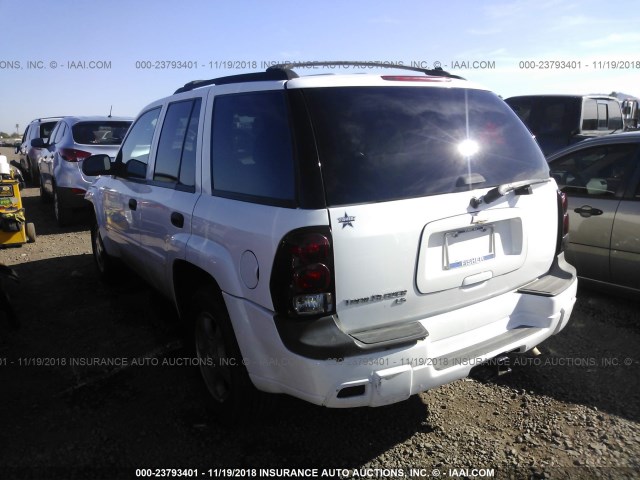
73	57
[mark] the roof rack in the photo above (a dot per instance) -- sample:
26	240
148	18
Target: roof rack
278	74
48	118
284	71
436	72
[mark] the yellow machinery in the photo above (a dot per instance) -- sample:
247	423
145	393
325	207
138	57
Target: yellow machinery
14	229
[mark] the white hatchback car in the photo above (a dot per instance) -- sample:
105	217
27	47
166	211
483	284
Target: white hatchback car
350	240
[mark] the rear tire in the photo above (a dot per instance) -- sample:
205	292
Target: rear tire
233	398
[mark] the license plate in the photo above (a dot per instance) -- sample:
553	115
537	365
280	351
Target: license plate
467	247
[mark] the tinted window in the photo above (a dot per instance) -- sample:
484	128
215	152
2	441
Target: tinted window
615	116
175	159
99	133
546	115
597	171
252	147
46	128
590	115
134	153
603	118
380	143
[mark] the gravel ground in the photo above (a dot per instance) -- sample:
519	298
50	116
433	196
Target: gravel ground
572	412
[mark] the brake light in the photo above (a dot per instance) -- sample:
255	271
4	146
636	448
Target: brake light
302	281
73	155
563	222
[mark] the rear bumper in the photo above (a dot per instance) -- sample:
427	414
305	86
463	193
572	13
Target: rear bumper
516	322
72	197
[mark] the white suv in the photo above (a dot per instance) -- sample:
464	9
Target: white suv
350	240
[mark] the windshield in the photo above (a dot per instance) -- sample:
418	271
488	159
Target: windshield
380	143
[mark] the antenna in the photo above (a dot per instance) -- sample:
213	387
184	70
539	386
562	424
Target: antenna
110	110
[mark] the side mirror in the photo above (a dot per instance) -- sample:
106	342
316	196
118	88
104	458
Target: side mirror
17	149
39	143
97	165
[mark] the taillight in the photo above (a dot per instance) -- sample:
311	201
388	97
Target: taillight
73	155
302	281
563	222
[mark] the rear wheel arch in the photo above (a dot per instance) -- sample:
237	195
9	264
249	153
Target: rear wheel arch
233	398
189	279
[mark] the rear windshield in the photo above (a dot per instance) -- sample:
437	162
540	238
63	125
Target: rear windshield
99	133
379	143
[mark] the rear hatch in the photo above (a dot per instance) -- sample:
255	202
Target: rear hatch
401	165
96	137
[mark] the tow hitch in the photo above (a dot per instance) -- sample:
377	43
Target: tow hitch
491	369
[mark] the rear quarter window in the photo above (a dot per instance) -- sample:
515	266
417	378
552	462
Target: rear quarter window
387	143
252	153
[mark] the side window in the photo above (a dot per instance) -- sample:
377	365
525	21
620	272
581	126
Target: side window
58	133
25	135
55	132
45	130
603	116
252	146
590	115
176	156
134	154
596	171
615	116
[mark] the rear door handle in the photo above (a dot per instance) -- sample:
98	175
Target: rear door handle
133	204
587	211
177	219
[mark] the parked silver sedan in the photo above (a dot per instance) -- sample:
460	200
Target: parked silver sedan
72	140
601	178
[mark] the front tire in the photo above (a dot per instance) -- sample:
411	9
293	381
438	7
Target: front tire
105	264
30	230
34	174
63	215
44	196
233	398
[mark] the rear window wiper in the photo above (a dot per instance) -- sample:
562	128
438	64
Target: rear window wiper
521	188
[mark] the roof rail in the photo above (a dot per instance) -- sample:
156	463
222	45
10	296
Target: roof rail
39	119
436	72
278	74
283	71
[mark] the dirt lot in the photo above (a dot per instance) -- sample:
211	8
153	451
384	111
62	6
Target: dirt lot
573	412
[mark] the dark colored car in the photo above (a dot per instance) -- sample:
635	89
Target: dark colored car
561	120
